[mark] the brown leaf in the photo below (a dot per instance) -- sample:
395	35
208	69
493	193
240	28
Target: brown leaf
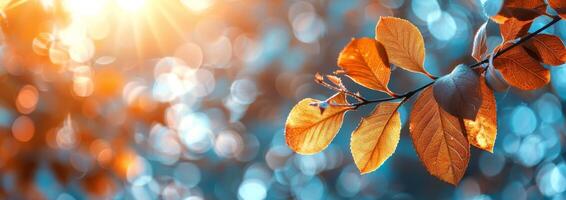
307	131
559	6
523	10
459	92
514	28
521	70
480	47
376	137
548	49
439	139
403	42
365	61
483	130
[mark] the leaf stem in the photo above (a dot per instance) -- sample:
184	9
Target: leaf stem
555	19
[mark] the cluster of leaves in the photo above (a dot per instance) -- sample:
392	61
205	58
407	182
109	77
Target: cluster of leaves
452	112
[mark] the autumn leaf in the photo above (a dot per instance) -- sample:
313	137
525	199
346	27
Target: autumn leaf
376	137
459	92
365	61
308	131
495	80
521	70
523	10
548	49
483	129
479	46
514	28
403	43
439	139
559	6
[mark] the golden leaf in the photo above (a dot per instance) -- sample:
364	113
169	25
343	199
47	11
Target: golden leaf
403	43
483	130
521	70
548	49
479	48
364	60
439	139
376	137
307	131
514	28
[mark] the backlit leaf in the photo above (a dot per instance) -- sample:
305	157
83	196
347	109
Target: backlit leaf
403	42
548	49
521	70
439	139
364	60
495	80
559	6
523	10
480	47
514	28
307	131
376	137
483	130
459	92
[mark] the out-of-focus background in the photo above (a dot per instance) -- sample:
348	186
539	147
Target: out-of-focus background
187	99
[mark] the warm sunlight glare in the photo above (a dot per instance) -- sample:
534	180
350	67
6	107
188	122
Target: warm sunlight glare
90	8
131	5
197	5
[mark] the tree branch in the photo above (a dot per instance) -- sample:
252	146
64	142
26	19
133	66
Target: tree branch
408	95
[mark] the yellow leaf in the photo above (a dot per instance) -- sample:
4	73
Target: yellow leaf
376	137
521	70
403	43
365	61
483	130
439	139
307	131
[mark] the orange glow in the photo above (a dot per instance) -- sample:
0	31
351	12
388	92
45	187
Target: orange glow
27	99
23	129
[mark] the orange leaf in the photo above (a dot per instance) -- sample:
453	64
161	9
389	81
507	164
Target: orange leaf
548	49
521	70
559	6
483	130
403	42
365	61
459	92
439	139
308	131
480	47
514	28
523	10
376	137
